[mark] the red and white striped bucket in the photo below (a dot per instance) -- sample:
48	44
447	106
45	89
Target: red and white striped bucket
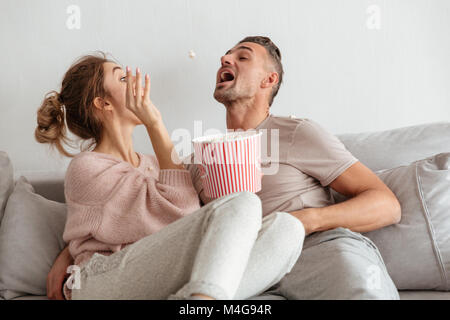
229	162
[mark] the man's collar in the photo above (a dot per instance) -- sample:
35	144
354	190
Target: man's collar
264	121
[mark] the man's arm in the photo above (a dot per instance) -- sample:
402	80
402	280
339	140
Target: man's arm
372	204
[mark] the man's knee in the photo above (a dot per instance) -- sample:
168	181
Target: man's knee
359	271
339	268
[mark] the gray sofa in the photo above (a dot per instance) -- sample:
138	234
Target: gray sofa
377	150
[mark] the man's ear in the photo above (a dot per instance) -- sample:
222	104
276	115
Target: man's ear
102	104
270	81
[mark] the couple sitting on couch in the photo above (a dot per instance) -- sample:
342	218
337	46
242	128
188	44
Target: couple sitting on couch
135	227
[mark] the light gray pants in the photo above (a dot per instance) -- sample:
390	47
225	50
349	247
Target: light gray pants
337	264
225	250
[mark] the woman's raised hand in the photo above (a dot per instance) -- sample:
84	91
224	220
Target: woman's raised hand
138	99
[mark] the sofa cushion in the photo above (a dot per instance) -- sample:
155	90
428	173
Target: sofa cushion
6	181
49	184
393	148
416	251
30	239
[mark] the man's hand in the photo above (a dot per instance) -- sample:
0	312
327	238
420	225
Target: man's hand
58	274
307	217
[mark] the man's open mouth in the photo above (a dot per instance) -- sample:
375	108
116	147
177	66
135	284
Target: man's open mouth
226	76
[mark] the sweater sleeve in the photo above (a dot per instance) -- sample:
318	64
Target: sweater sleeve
197	180
131	205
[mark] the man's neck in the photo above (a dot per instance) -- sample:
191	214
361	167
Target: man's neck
246	115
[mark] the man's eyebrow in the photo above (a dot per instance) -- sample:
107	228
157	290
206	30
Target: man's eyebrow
115	68
238	48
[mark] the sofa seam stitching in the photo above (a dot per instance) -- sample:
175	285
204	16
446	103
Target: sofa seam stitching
431	228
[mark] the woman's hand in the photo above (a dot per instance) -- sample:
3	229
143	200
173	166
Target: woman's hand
58	274
138	101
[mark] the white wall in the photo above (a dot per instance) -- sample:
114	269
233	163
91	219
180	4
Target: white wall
339	70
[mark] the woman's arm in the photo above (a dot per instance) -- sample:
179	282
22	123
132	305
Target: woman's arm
58	274
139	103
163	147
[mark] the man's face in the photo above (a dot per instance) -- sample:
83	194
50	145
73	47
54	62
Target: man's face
243	69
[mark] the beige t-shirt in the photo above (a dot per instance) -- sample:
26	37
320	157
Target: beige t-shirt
310	158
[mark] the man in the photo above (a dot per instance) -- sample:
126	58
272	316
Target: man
337	262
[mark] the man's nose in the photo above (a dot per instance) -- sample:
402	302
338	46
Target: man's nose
226	60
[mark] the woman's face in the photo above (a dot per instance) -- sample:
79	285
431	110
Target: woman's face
115	83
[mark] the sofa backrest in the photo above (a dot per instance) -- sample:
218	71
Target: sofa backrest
377	150
50	185
392	148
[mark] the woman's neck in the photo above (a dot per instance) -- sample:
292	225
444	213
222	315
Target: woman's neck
119	143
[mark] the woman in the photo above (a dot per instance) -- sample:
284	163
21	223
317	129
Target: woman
134	225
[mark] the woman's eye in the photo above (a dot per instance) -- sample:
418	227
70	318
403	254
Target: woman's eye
242	58
123	79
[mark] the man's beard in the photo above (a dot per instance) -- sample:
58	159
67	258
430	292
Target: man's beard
228	96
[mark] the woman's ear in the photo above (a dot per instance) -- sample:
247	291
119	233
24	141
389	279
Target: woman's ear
270	81
102	104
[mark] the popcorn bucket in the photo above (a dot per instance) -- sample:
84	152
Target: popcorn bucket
229	162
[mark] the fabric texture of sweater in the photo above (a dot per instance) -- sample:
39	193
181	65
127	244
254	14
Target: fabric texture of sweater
111	203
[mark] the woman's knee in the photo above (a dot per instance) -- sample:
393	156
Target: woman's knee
239	211
249	200
290	228
287	232
240	206
248	207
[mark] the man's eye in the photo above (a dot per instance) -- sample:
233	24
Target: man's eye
242	58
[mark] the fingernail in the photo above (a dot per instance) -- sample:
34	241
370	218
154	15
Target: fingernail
137	70
128	69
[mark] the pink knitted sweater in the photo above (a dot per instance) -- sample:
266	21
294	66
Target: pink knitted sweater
112	204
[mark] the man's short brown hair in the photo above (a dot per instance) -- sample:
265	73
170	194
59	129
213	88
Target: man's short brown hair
275	56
